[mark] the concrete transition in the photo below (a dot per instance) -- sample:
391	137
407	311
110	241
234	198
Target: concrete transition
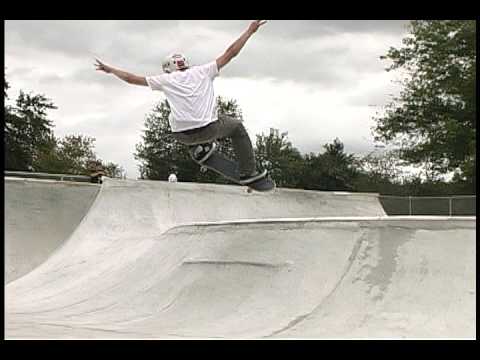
39	216
177	260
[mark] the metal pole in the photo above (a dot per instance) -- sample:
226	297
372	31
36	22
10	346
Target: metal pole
410	205
450	206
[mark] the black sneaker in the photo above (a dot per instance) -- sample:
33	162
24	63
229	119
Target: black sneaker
248	179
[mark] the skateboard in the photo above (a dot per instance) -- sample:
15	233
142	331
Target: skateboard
228	168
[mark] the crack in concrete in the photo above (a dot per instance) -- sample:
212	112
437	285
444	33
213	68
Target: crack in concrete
236	262
351	259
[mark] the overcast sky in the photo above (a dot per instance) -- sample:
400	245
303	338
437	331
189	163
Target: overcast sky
316	80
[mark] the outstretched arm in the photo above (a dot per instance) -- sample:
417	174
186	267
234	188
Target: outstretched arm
235	48
123	75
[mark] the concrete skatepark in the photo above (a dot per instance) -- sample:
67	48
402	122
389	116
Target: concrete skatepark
157	260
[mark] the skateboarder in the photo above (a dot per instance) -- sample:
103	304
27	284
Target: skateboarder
189	91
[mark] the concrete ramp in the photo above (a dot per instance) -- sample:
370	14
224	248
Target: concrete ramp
39	216
160	260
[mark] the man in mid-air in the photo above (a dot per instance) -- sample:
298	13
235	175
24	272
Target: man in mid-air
194	118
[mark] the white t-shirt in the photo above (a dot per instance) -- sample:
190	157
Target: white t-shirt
190	95
172	178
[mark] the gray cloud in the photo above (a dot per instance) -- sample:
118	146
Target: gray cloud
309	28
68	37
283	50
362	26
91	76
376	97
20	71
51	79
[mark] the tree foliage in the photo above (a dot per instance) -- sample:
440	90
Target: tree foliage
27	130
433	120
30	143
71	154
277	154
331	170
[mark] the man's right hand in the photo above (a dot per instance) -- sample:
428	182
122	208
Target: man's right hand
123	75
255	25
100	66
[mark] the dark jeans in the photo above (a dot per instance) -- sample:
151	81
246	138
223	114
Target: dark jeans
225	126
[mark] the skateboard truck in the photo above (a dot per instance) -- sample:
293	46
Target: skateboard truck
202	152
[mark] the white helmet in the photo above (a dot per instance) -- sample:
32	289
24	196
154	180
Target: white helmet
174	62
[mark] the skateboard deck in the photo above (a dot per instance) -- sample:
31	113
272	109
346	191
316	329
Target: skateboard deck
228	168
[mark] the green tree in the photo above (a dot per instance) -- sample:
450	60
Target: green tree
75	152
72	154
379	172
31	145
47	159
27	130
433	120
331	170
277	154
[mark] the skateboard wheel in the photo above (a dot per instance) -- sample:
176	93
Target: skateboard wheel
203	169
